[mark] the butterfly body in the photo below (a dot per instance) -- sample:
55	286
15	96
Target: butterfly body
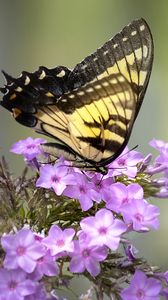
89	111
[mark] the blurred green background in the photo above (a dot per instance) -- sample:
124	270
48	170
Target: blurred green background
62	32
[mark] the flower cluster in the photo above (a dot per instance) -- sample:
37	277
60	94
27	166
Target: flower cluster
112	206
32	256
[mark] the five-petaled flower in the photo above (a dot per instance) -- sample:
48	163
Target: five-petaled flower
86	257
59	240
142	288
56	177
22	250
29	148
103	229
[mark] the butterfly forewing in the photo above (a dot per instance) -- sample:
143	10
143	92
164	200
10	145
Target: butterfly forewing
91	109
130	52
97	128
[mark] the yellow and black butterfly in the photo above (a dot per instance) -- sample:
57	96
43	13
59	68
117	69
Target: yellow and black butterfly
89	111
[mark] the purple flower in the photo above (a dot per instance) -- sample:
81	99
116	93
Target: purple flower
22	250
59	240
56	177
40	294
142	288
145	162
126	163
103	229
131	252
15	285
29	148
166	276
102	186
163	192
122	195
157	144
46	265
83	190
86	257
141	215
161	162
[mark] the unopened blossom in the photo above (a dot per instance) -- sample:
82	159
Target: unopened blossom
56	177
15	285
141	215
59	240
122	195
103	229
126	163
161	162
85	257
29	148
131	252
83	190
22	250
157	144
142	288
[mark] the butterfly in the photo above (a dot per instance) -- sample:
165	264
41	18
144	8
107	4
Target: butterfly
88	111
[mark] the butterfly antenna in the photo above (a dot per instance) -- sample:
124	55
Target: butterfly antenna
133	148
111	168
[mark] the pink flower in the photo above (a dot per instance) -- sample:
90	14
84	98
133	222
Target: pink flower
56	177
142	288
46	265
59	240
29	147
126	163
22	250
122	195
86	257
15	285
141	215
83	190
103	229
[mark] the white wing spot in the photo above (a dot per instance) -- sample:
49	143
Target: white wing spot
84	67
71	96
113	81
105	83
63	100
61	74
42	75
98	87
27	80
145	51
80	93
115	46
19	89
142	27
133	32
125	39
90	90
105	52
10	84
95	59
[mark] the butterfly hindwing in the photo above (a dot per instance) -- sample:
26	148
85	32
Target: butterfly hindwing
90	110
